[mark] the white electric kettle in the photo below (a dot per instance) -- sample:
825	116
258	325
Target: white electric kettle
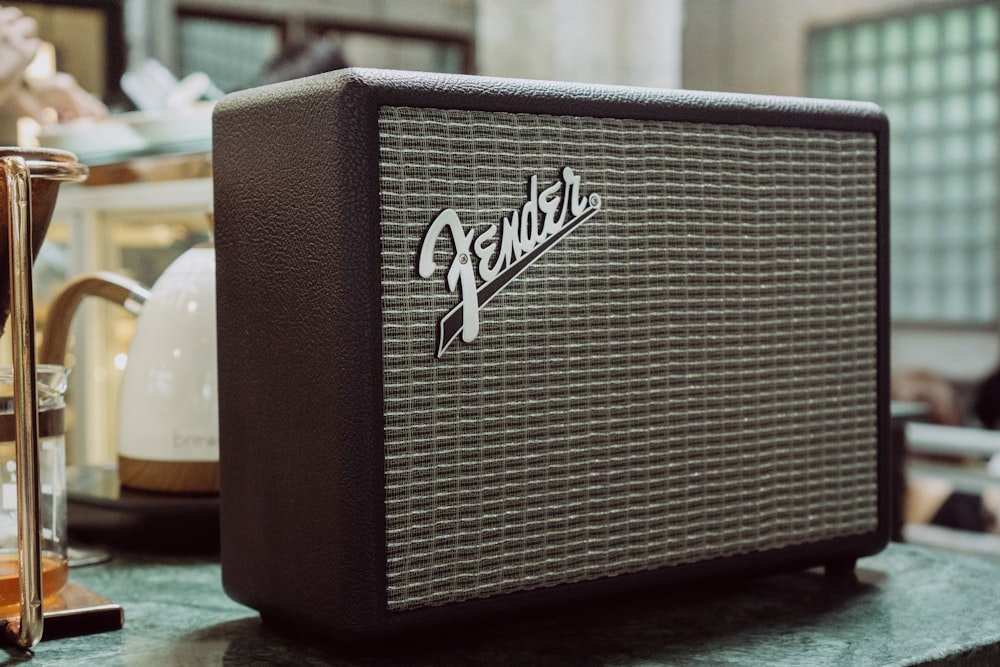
168	410
168	422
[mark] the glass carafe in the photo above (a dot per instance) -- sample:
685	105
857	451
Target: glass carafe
51	482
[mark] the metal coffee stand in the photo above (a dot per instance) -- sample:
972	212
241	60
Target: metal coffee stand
81	611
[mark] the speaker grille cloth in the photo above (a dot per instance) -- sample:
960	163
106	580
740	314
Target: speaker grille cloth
690	375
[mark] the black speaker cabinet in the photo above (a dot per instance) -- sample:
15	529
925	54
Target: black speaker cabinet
486	344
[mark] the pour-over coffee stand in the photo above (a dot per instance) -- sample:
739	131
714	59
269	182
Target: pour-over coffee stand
31	178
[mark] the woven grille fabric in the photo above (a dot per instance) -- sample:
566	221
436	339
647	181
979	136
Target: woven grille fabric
689	375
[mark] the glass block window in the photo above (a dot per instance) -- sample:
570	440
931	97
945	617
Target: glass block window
232	53
935	73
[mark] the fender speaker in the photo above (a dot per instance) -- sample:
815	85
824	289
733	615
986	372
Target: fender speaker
486	344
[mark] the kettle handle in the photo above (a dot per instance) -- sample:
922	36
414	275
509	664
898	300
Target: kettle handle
128	293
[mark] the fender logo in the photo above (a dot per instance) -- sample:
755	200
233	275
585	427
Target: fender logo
546	218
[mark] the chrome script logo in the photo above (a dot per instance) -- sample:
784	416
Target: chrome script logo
501	253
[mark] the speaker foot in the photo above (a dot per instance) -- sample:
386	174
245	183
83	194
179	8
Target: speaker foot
840	575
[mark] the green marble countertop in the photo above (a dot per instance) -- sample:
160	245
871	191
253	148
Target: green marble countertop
915	606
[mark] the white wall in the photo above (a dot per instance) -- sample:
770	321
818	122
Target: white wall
629	42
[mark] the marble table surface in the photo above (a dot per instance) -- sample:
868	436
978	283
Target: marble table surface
914	606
